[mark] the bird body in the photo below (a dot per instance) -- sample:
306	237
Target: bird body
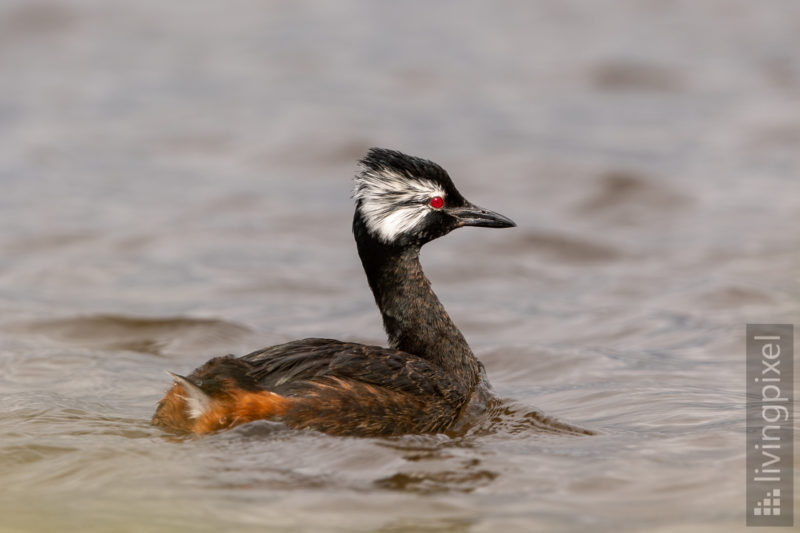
420	384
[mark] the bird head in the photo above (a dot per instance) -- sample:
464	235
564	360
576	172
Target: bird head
407	201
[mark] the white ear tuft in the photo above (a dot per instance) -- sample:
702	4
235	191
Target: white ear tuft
392	203
197	401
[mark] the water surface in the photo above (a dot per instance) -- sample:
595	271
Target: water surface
175	185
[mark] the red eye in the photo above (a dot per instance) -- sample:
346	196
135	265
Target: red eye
437	202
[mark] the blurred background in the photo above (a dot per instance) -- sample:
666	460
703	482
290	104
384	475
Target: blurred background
175	184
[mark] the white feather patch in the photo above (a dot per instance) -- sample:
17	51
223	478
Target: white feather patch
195	407
391	203
197	401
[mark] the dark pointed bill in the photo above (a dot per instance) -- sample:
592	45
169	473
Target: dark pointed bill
472	215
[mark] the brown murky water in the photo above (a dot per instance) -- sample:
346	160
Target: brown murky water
175	185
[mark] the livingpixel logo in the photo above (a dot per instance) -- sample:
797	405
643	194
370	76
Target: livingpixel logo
770	505
770	424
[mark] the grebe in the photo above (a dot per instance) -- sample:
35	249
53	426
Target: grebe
419	385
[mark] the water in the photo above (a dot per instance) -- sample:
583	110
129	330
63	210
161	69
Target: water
175	185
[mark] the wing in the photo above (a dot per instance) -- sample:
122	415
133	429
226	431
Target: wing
287	368
332	386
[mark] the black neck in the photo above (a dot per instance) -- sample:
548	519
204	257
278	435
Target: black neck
414	318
